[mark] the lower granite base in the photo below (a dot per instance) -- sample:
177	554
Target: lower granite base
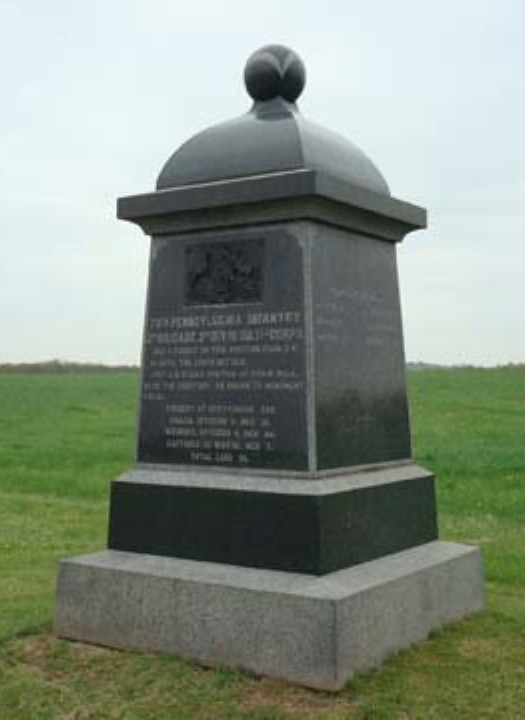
315	631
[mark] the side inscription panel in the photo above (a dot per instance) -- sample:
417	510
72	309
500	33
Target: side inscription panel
361	401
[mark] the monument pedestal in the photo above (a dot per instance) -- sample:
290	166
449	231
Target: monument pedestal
275	521
316	631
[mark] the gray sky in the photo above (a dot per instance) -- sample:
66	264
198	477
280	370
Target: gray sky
98	93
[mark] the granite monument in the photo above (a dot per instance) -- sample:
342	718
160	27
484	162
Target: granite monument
274	520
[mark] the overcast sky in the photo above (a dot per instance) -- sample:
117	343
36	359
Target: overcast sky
98	93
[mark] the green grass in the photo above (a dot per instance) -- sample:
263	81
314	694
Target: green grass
63	437
469	428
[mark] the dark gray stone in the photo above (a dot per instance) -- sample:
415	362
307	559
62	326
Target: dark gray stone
272	137
274	71
224	366
314	526
287	195
278	346
361	411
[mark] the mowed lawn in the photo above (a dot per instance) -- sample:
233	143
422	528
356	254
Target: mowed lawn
63	437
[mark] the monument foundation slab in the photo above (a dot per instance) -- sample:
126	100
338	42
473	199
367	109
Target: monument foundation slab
316	631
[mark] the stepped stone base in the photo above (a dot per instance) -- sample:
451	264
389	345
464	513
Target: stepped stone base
315	631
278	522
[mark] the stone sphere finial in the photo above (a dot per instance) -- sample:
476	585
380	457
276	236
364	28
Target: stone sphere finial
274	71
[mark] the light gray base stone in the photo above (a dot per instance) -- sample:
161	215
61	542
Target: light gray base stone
324	482
316	631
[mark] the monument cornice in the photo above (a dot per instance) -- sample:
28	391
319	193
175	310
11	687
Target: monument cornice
273	197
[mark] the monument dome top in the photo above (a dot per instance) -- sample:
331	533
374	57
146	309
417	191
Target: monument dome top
273	137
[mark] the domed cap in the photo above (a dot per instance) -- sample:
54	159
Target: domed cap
272	137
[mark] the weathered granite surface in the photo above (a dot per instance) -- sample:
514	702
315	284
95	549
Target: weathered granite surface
316	631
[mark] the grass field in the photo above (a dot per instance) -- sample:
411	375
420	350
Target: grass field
63	437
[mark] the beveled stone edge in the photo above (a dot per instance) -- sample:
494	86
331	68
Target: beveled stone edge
285	483
334	586
278	186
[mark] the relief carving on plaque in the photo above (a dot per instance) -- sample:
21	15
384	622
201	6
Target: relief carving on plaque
224	272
